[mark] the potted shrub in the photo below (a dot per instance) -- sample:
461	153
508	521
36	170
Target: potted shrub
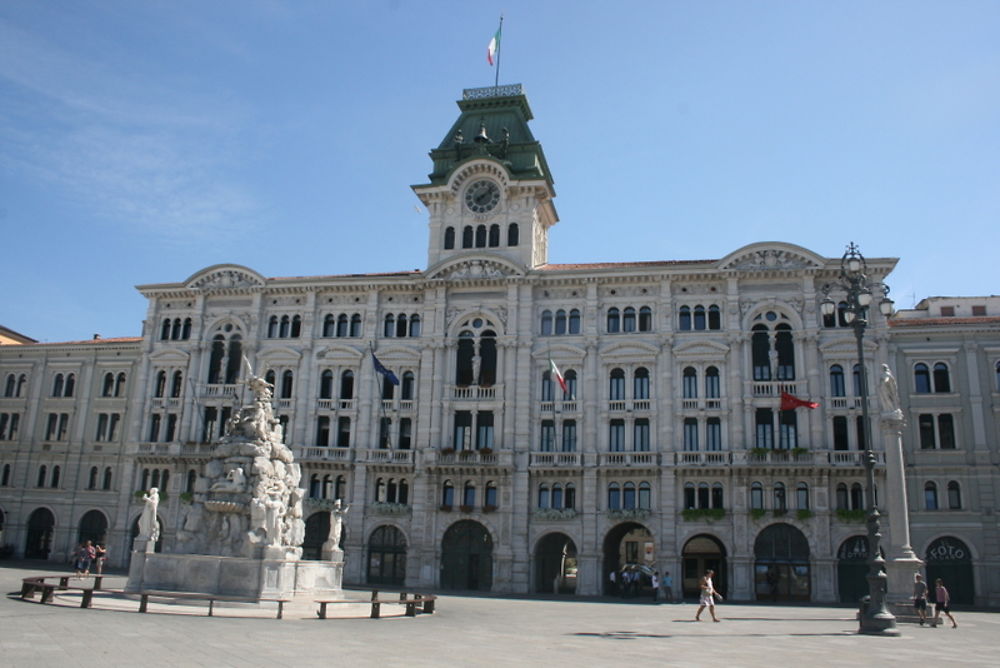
465	509
489	509
445	508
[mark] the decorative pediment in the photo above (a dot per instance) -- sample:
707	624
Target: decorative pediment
630	349
771	257
340	353
274	356
711	349
225	277
471	269
169	356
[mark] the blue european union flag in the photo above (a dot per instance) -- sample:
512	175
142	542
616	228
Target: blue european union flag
390	376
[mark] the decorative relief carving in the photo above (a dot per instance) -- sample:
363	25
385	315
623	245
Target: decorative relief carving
226	279
770	258
474	269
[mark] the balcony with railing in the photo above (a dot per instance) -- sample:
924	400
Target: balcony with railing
387	456
558	406
775	388
485	457
335	404
713	458
327	454
628	458
845	402
476	392
555	459
218	391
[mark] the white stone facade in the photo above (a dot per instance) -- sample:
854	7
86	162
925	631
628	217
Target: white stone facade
676	372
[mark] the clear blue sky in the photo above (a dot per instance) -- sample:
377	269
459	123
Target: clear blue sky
143	141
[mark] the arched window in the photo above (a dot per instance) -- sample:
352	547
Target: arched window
546	386
107	387
480	236
272	327
930	496
356	325
703	495
614	496
942	379
512	235
574	321
92	479
403	492
449	238
628	496
175	333
340	487
296	326
106	483
714	317
684	318
645	319
786	352
176	383
347	385
326	384
760	347
690	383
469	494
614	320
494	239
857	497
447	494
645	495
401	325
343	432
757	496
161	384
560	322
380	490
390	325
780	502
837	388
467	235
42	475
856	375
802	496
998	376
120	384
690	500
21	382
699	317
921	378
269	377
186	330
9	386
569	498
546	322
285	328
954	496
155	480
342	325
286	384
617	385
165	330
628	319
57	385
414	325
640	384
314	487
713	387
570	378
329	325
55	476
406	387
145	479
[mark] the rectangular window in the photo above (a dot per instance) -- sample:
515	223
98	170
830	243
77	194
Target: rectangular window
616	436
947	311
102	427
171	427
788	436
384	428
641	435
113	425
548	436
840	439
978	310
946	431
344	432
569	436
209	423
4	417
925	425
463	430
690	434
405	434
484	430
63	426
713	435
764	428
862	443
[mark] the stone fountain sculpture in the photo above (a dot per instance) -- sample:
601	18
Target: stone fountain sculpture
242	532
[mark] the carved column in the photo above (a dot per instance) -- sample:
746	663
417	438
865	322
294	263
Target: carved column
902	564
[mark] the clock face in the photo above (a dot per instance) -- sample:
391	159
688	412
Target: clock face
482	196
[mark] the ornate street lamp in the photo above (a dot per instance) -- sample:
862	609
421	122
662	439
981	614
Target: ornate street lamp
874	617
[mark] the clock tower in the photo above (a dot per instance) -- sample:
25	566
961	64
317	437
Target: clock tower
490	194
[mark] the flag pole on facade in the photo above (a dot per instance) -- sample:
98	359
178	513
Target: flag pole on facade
493	53
388	375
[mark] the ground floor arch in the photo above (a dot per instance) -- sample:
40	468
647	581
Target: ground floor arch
852	569
317	533
467	557
781	564
628	546
387	556
93	527
702	553
950	559
41	525
555	564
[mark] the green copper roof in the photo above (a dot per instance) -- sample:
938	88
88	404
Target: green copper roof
504	113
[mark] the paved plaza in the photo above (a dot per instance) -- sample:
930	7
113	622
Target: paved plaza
469	631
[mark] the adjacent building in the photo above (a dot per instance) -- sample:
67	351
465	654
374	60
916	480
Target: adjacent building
540	424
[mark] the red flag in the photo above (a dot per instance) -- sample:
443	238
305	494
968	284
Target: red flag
790	402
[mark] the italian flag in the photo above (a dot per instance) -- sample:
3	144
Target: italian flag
493	47
557	374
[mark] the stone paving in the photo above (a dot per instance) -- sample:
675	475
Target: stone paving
470	631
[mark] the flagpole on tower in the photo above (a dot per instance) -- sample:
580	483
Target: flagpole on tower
496	80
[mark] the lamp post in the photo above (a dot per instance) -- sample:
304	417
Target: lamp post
875	618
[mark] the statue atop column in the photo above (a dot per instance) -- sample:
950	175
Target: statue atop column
888	395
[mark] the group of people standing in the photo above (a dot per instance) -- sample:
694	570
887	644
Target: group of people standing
86	555
628	583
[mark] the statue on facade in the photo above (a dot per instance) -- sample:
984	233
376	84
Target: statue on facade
888	394
337	522
148	526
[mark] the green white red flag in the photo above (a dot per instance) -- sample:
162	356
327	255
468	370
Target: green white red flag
493	47
557	374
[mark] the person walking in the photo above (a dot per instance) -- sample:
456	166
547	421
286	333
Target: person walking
613	582
942	604
920	597
708	596
655	581
668	587
100	556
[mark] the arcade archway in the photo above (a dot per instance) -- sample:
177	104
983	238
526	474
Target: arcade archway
852	569
628	545
781	564
93	527
950	559
41	524
317	532
702	553
555	564
467	557
387	556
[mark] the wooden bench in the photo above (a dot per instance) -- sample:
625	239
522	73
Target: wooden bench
39	583
144	597
420	603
